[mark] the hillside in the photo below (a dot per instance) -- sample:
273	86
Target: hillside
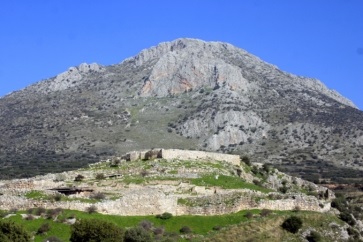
216	195
186	94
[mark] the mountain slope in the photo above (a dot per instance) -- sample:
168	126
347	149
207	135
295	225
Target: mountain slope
181	94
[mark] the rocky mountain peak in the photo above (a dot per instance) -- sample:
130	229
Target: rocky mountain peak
186	64
186	93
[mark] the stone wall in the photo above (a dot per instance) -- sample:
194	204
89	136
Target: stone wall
199	155
150	201
171	154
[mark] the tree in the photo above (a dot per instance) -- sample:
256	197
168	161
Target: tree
292	224
96	230
9	231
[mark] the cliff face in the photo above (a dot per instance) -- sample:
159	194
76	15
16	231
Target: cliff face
181	94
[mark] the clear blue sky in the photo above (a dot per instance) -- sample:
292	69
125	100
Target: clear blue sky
315	38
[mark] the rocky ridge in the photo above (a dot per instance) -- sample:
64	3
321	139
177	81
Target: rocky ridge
181	94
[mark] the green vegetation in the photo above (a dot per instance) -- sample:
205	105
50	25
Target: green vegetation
227	182
11	232
37	195
292	224
211	227
95	230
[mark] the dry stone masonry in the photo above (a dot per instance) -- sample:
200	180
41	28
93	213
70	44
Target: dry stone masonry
156	197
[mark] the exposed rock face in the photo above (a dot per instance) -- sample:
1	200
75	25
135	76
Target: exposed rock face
181	94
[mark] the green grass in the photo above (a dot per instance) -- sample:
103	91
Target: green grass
199	224
227	182
37	195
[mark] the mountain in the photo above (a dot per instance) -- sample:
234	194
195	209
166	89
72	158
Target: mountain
186	94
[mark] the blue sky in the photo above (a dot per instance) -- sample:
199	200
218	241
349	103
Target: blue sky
314	38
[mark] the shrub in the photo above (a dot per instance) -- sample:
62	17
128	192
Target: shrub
314	237
100	176
185	230
9	231
45	227
39	211
159	231
52	213
79	178
246	160
52	239
347	217
98	196
339	203
249	215
144	173
137	234
283	189
266	167
3	213
292	224
164	216
30	210
265	212
217	228
257	182
145	224
57	197
95	230
29	217
91	209
13	210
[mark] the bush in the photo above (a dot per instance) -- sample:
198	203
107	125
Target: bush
98	196
246	160
53	213
100	176
52	239
347	217
137	234
29	217
57	197
9	231
95	230
314	237
91	209
292	224
39	211
145	224
217	228
79	178
30	210
283	189
43	228
185	230
159	231
265	212
248	215
339	203
164	216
